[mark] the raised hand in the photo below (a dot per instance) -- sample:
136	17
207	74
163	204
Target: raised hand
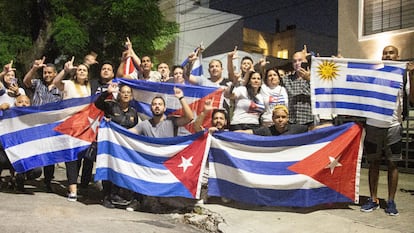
305	51
233	54
410	66
178	92
40	63
113	87
69	65
263	61
8	67
90	59
208	105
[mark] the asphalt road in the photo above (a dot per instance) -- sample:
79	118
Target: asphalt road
39	211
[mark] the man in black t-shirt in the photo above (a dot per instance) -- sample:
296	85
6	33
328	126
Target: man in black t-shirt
280	117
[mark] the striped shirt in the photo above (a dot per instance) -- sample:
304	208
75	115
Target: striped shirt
42	94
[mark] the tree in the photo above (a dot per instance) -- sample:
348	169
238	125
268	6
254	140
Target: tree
64	28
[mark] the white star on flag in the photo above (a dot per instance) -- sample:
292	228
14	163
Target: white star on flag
186	163
333	163
94	123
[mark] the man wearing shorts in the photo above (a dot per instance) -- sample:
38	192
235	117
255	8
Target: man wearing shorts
384	138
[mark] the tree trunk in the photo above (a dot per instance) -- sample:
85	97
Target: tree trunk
39	46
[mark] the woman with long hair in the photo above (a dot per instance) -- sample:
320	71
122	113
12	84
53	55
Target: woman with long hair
249	103
76	87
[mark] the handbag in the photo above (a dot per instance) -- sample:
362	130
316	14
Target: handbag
91	152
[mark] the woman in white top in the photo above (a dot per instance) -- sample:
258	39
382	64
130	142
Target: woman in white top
249	103
274	94
9	88
76	87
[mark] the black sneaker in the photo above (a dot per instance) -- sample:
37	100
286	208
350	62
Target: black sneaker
48	187
107	203
20	182
133	206
117	200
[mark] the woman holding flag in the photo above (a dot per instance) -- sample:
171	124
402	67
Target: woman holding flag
249	103
77	86
121	112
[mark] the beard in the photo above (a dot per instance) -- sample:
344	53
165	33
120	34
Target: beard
157	114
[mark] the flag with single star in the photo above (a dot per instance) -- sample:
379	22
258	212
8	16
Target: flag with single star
37	136
302	170
195	96
163	167
83	124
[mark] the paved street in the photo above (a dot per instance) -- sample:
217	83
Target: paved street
51	212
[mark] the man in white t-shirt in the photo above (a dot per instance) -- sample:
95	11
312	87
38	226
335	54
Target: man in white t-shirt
384	138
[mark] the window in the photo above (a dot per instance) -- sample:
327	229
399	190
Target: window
386	15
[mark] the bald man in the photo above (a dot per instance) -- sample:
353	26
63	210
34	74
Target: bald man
383	139
21	101
298	89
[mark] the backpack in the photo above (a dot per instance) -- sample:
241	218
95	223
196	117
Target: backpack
405	110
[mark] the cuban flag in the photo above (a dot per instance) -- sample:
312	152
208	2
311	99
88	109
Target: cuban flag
356	87
164	167
37	136
301	170
195	96
129	67
197	69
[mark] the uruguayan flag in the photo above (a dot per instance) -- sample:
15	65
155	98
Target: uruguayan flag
356	87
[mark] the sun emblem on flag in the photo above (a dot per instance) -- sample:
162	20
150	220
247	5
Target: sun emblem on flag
328	70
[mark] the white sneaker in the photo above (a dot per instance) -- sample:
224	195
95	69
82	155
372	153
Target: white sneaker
72	197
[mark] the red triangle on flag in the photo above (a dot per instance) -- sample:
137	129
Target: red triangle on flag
186	165
336	165
83	124
129	67
198	106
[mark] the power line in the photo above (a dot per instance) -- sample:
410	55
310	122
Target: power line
245	17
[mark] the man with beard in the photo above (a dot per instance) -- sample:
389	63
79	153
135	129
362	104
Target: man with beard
218	118
160	126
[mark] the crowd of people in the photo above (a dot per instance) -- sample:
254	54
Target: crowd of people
257	101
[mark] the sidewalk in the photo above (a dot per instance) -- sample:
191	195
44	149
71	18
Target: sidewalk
51	212
334	218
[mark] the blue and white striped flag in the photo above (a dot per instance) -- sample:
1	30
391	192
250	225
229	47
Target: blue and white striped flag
165	167
197	69
37	136
195	96
356	87
320	166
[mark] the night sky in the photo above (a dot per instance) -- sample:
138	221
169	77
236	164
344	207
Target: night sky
318	16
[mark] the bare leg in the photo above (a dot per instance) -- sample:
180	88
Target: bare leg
392	180
73	189
373	176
